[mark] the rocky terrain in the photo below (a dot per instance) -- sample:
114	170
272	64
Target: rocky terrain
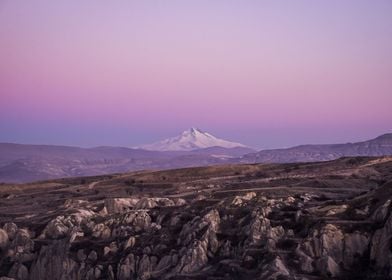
262	221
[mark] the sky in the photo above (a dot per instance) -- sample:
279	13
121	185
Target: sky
264	73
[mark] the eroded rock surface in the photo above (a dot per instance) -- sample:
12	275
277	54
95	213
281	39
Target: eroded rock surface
263	231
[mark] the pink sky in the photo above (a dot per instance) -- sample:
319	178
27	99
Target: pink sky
263	73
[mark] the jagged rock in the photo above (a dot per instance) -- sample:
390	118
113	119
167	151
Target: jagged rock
226	249
4	241
11	230
335	210
139	220
22	241
146	203
382	212
92	256
165	263
81	255
326	242
305	262
175	220
328	266
19	272
94	273
112	249
101	231
290	233
332	242
130	242
194	258
53	262
200	197
75	234
76	218
275	233
110	273
290	200
127	268
239	200
119	205
155	226
258	227
152	202
275	270
75	203
330	247
196	255
55	229
380	245
180	202
146	266
355	244
62	226
147	250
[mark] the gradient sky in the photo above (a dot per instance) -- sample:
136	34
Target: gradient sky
264	73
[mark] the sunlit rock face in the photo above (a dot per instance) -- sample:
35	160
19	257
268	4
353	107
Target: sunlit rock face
281	225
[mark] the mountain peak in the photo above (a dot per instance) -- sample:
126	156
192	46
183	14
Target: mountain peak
193	131
191	139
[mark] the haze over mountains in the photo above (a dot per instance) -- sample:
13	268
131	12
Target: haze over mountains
25	163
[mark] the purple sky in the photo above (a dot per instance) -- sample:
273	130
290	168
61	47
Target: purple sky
264	73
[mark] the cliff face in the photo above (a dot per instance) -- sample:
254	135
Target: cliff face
329	220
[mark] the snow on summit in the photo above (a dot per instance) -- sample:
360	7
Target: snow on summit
190	139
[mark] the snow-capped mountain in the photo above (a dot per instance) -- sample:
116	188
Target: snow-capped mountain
189	140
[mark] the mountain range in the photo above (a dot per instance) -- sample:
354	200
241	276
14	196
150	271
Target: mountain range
26	163
379	146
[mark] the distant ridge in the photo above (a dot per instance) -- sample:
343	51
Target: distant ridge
379	146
